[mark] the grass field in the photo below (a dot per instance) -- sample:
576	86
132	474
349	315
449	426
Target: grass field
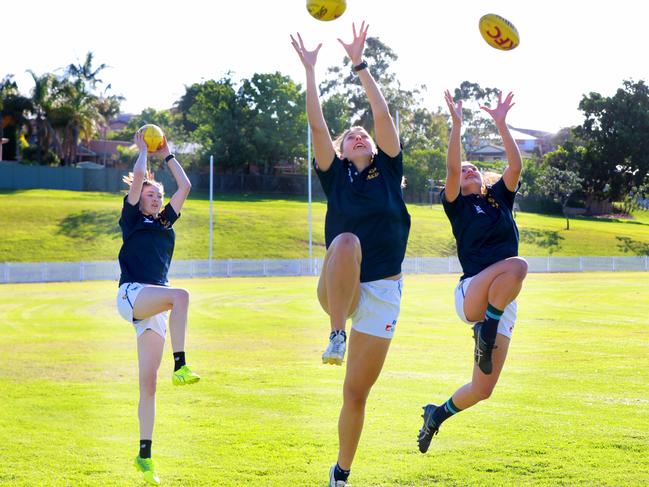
48	226
572	407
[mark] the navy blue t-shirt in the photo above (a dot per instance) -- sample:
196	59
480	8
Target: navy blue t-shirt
484	227
368	204
148	245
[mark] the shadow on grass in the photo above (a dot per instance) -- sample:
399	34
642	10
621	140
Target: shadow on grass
597	219
446	248
88	225
546	239
630	246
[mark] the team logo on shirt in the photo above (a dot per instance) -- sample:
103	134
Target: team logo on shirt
147	220
163	219
373	173
478	210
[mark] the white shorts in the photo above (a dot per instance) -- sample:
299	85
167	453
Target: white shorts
126	296
507	320
378	307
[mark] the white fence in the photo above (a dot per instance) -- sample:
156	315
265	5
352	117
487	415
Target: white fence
109	270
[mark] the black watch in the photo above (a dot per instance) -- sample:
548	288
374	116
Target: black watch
170	157
361	66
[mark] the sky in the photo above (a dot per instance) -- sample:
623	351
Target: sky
154	49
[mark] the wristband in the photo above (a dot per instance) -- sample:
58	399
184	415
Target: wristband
170	157
360	67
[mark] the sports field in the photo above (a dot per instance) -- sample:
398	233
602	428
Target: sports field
254	227
572	407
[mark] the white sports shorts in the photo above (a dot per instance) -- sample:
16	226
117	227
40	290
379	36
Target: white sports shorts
507	321
126	296
378	307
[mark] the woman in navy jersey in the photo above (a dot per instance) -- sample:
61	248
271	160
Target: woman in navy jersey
366	232
487	245
144	298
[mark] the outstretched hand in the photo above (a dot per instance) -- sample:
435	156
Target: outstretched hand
454	108
307	57
500	112
139	141
164	151
355	48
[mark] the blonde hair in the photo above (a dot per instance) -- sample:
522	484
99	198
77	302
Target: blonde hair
490	178
149	180
338	141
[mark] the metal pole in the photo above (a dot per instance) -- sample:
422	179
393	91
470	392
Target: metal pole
211	214
308	127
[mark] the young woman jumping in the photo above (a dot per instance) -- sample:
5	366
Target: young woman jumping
366	232
487	245
144	298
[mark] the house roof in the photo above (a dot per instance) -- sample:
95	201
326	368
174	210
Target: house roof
108	146
489	149
185	148
84	151
539	134
518	135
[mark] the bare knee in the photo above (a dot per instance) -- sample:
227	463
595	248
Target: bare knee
148	384
518	268
346	244
180	297
355	397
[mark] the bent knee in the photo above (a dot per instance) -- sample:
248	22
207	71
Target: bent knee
518	267
180	297
347	243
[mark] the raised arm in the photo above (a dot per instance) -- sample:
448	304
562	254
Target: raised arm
182	181
385	131
139	170
323	147
512	173
453	157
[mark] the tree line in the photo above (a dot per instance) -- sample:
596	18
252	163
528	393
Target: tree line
261	121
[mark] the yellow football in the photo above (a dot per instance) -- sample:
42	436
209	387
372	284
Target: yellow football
153	137
499	32
326	9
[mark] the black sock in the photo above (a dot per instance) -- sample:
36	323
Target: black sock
490	324
338	332
445	411
179	360
145	448
340	474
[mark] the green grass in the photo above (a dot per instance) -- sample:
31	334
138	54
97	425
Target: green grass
48	226
572	407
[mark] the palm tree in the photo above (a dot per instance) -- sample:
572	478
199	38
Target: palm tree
45	96
85	71
78	116
108	107
83	112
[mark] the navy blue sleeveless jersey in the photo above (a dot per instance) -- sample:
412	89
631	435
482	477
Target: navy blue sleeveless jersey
484	227
148	245
368	204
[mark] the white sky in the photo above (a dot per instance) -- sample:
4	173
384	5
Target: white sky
154	49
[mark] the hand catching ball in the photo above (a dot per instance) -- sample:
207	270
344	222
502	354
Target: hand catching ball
153	137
